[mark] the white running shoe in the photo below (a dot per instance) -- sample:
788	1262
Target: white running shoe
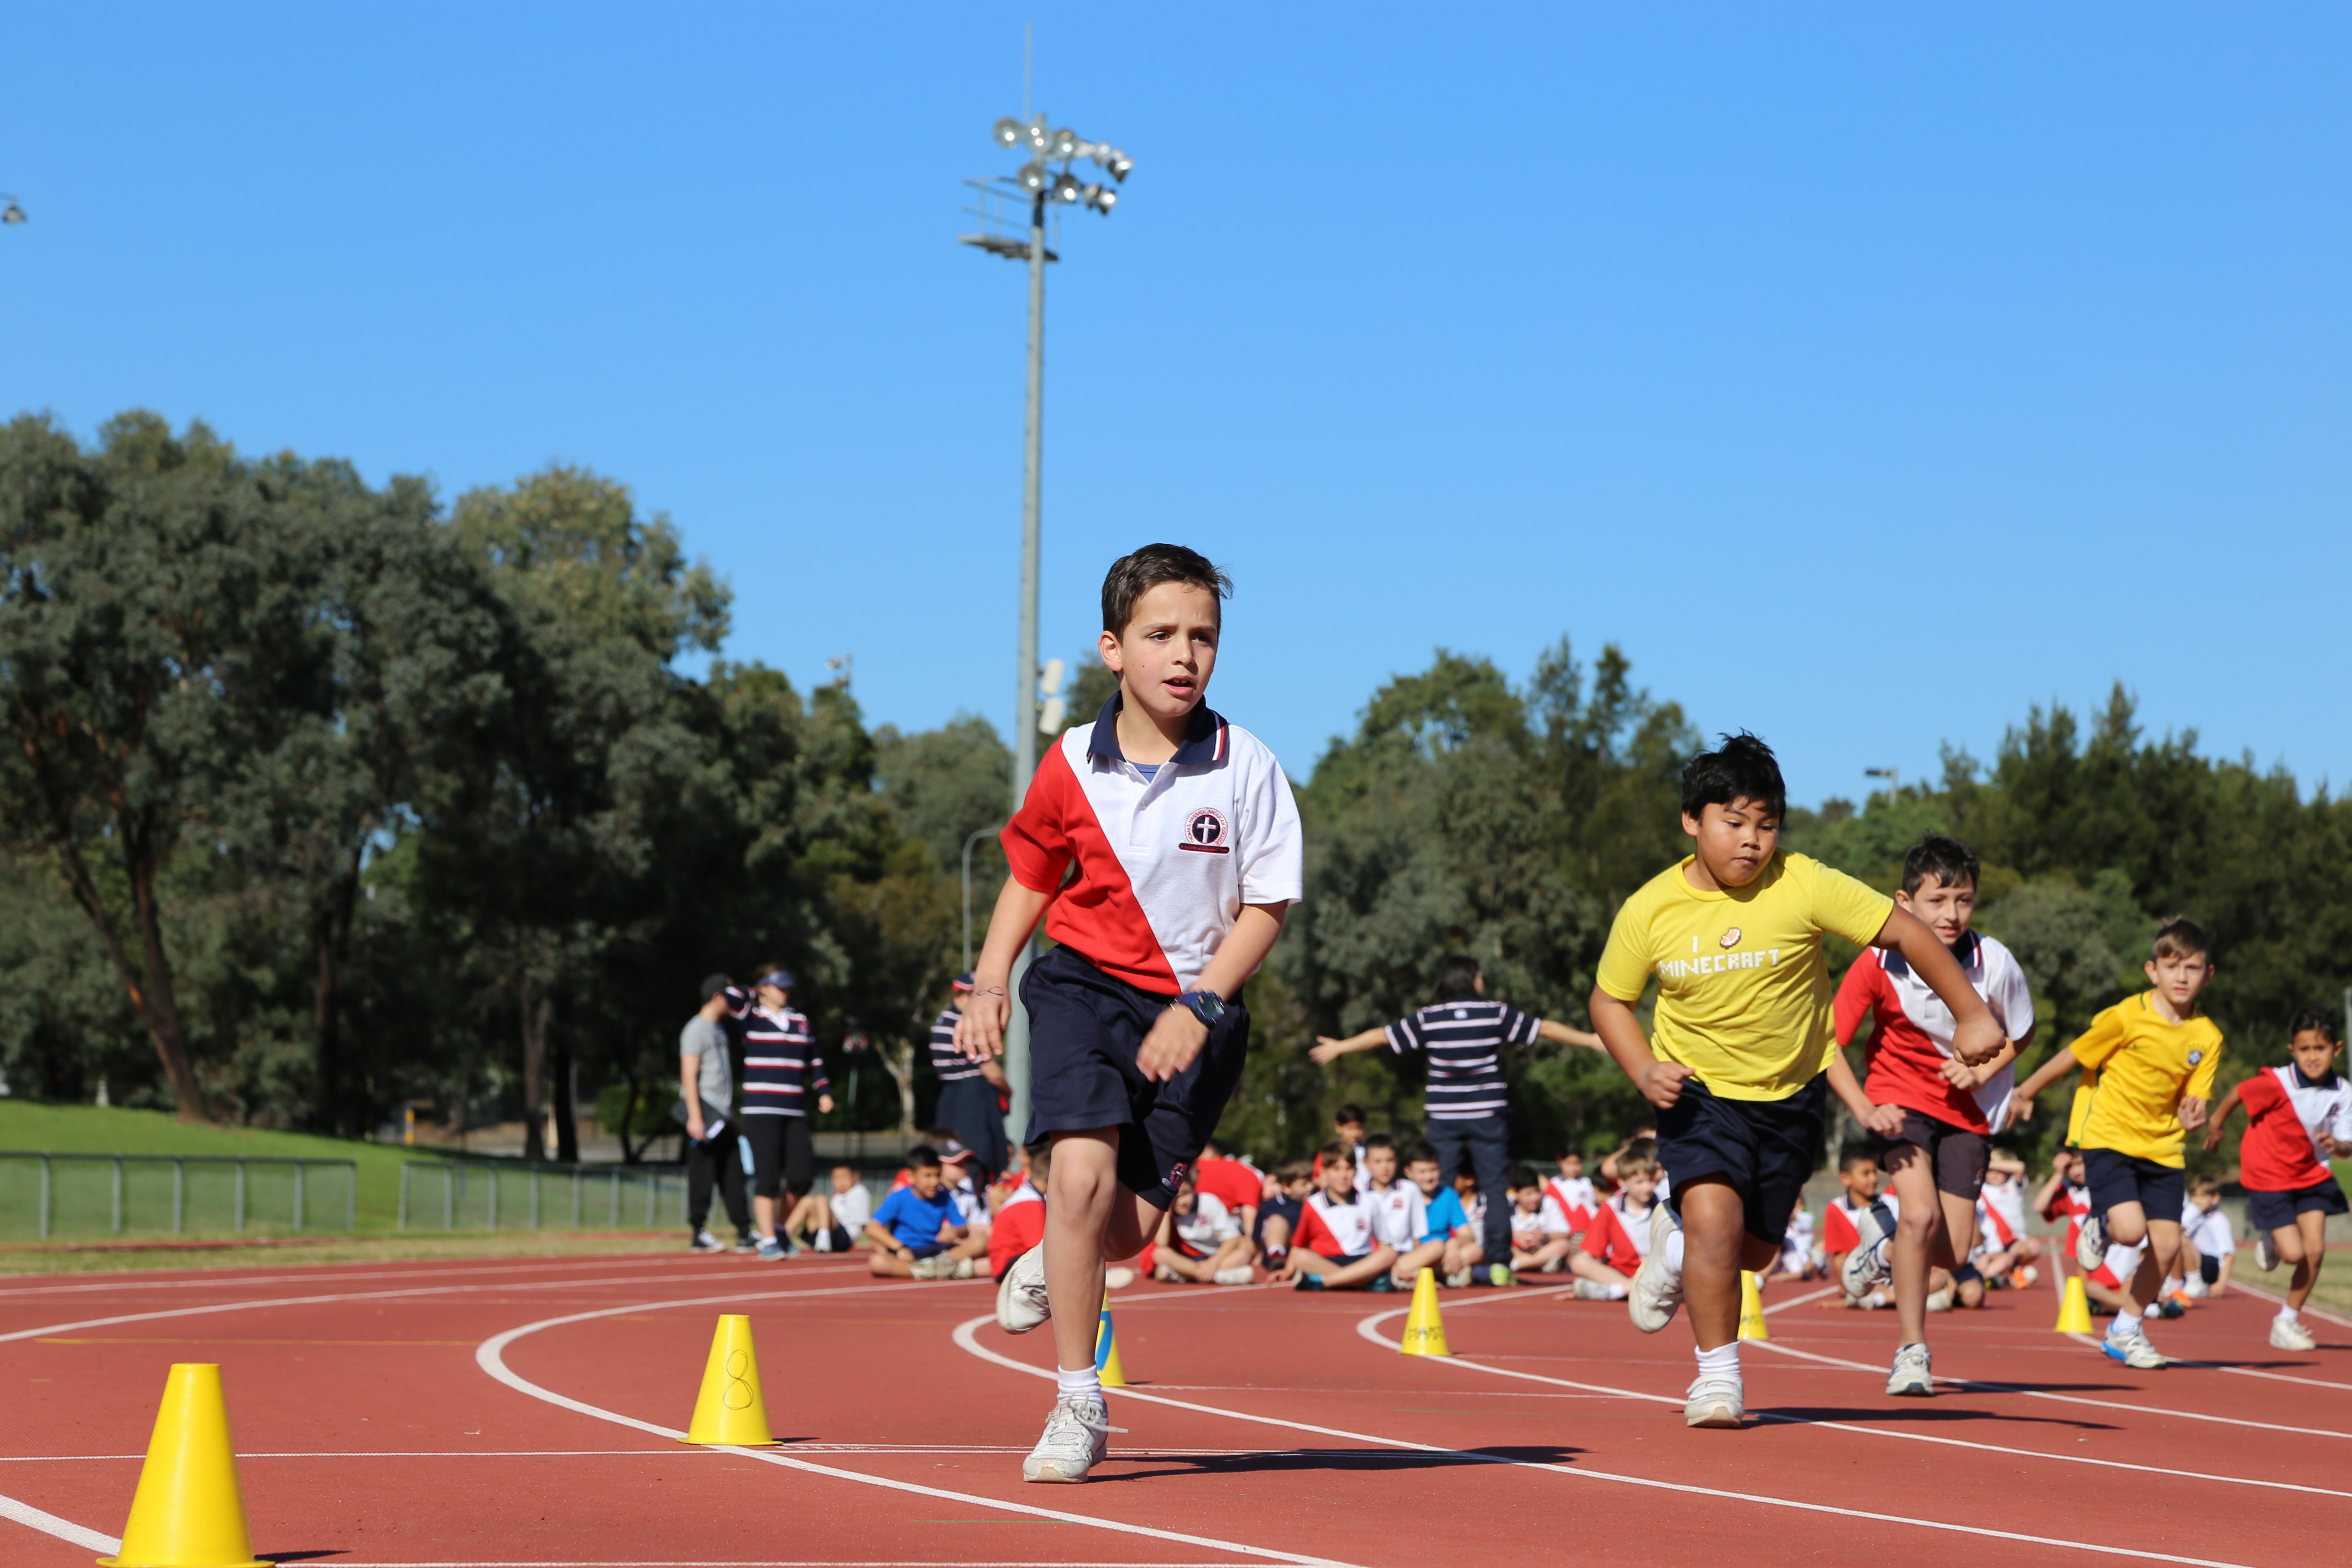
2289	1334
1911	1374
1077	1436
1939	1300
2090	1242
2265	1252
1712	1401
1165	1274
1118	1277
2130	1346
2197	1290
705	1242
1020	1303
933	1267
1239	1274
1594	1290
1459	1280
1865	1269
1657	1290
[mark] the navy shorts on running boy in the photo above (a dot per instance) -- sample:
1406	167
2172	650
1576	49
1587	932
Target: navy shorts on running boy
2118	1178
2278	1211
1765	1148
1085	1029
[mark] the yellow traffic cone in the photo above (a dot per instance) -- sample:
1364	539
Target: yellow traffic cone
189	1511
1424	1330
729	1409
1106	1367
1751	1308
2075	1311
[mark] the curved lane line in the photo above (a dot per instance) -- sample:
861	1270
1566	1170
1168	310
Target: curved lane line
64	1529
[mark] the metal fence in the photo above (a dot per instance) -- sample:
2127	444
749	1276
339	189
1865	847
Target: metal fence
48	1195
484	1195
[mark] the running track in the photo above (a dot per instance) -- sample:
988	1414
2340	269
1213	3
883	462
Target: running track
525	1413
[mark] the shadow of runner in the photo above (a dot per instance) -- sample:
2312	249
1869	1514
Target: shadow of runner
1301	1459
1923	1413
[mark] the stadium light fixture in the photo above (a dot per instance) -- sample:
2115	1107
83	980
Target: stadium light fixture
12	215
1893	776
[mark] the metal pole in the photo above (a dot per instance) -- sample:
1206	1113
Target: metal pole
297	1194
612	1189
534	1197
179	1192
45	1198
1024	706
118	1195
240	1197
575	1197
493	1173
351	1197
404	1194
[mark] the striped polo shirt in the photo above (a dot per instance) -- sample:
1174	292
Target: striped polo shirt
781	1072
950	1064
1465	1041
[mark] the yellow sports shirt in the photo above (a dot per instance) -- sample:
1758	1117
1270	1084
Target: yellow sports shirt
2145	1066
2086	1094
1743	991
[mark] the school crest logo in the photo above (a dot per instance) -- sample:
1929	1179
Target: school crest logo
1730	938
1206	833
1175	1177
2196	1057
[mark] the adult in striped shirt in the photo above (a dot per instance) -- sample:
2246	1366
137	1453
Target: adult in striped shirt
782	1070
1466	1103
969	1105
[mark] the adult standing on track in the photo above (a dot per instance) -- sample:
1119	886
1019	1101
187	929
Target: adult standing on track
780	1070
1465	1101
969	1105
714	1148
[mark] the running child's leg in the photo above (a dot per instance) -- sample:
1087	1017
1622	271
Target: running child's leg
2309	1239
1917	1232
1089	1217
2163	1253
1716	1248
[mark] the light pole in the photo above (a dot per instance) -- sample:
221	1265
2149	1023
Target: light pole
1036	183
1892	775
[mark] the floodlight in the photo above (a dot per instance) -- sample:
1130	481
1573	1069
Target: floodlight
1067	189
1119	164
1007	132
1033	177
1102	198
1064	144
1035	134
14	214
1049	679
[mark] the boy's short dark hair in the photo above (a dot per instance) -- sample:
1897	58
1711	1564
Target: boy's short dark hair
1567	1151
1337	1153
1947	860
1347	1113
1291	1171
922	1157
1138	573
1041	1150
1855	1153
2322	1019
1641	1161
2205	1184
1379	1141
1421	1153
1520	1178
1458	977
1740	768
712	984
2181	937
1638	1149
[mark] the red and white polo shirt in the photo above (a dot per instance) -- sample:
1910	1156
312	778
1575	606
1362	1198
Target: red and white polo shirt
1914	1035
1165	863
2287	1115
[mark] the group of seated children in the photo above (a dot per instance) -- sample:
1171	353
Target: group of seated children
2002	1257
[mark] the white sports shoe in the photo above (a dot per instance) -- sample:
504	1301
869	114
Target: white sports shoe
1020	1303
2090	1242
1594	1290
2130	1346
1657	1291
2289	1334
1239	1274
1865	1269
2266	1253
1077	1436
1714	1402
1911	1374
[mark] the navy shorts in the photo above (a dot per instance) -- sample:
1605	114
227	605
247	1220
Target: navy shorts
2278	1211
1085	1029
1765	1148
1957	1156
2118	1178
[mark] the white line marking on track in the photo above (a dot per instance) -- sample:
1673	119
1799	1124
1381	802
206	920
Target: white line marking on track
1800	1300
773	1562
964	1336
2322	1314
490	1358
64	1529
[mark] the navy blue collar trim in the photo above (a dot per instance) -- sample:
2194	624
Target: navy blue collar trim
1204	736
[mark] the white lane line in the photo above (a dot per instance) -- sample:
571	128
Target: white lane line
2275	1299
1369	1329
964	1336
64	1529
491	1358
2093	1341
1800	1300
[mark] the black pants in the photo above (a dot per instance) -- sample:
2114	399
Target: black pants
1486	1143
721	1158
782	1157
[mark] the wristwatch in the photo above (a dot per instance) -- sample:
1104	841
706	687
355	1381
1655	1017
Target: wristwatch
1205	1006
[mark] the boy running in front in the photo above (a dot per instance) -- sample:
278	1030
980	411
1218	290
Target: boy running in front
1741	1042
2157	1059
1934	1115
1185	845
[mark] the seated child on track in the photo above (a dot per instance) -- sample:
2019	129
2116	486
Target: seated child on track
2004	1254
1398	1201
1448	1242
1619	1236
920	1232
1200	1243
1020	1217
836	1220
1539	1232
1277	1216
1336	1245
1235	1182
2207	1245
1572	1190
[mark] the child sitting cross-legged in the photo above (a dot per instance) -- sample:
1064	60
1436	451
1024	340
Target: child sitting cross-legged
1449	1239
1277	1216
920	1231
1618	1239
1200	1242
1338	1245
1539	1231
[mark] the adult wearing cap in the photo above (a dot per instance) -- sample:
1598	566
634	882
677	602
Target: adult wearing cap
782	1073
969	1102
714	1148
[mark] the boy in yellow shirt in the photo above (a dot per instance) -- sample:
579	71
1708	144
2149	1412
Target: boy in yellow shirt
2156	1059
1742	1042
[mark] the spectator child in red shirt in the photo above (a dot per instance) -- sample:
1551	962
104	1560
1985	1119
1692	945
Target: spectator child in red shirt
1020	1217
1236	1183
1618	1237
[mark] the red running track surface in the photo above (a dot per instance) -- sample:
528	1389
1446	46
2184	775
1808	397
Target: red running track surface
525	1413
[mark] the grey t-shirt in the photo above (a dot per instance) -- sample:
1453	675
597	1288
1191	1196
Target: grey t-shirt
703	1038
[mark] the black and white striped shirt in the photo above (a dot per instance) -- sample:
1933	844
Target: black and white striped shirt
950	1065
1465	1040
781	1072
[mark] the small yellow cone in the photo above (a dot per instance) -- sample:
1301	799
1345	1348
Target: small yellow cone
729	1410
1106	1367
189	1511
1424	1330
2075	1311
1751	1308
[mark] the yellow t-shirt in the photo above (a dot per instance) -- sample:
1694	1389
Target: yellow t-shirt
2145	1066
2086	1094
1743	991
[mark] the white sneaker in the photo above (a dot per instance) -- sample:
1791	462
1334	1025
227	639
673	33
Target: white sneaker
1020	1303
1239	1274
1594	1290
928	1268
2289	1334
1939	1300
1865	1269
705	1242
1166	1275
2130	1346
1657	1291
1116	1277
2197	1290
1713	1402
2265	1252
965	1268
1912	1374
2091	1244
1077	1436
1459	1280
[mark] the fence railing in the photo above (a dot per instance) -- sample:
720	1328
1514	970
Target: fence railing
491	1194
205	1192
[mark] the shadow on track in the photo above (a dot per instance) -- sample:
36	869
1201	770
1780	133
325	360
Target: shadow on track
1296	1460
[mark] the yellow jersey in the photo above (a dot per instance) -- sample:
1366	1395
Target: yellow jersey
2086	1094
1743	990
2146	1064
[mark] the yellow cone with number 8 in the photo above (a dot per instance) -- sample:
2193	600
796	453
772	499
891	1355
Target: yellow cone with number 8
189	1511
729	1410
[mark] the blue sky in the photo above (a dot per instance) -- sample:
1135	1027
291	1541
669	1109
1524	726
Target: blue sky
1869	374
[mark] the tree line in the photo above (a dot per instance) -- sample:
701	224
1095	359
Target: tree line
321	799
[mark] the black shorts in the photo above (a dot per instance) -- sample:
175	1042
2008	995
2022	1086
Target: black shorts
2278	1211
2118	1178
1085	1029
1765	1148
1956	1154
782	1154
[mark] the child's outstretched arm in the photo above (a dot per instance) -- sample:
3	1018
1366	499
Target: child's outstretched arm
1327	1050
2229	1102
1559	1034
1661	1083
980	1034
1977	1037
2062	1062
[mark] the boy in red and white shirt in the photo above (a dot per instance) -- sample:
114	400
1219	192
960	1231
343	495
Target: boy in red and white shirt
1572	1190
1617	1237
2004	1252
1020	1217
1539	1232
1200	1242
1339	1246
2298	1117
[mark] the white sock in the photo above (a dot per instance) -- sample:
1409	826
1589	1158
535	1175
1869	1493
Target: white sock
1721	1361
1673	1250
2153	1310
1082	1383
2289	1315
1616	1292
2122	1262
